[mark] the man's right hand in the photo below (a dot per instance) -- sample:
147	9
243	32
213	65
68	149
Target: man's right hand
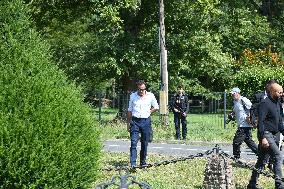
264	143
176	110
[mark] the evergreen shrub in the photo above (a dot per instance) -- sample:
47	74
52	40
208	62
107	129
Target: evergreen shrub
48	138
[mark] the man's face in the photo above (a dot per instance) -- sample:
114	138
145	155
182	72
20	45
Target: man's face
236	96
141	90
180	91
276	91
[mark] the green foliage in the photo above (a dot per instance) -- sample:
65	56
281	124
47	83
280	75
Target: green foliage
242	28
95	41
254	68
44	12
206	35
48	138
190	58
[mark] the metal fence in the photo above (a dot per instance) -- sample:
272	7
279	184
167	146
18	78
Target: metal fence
112	107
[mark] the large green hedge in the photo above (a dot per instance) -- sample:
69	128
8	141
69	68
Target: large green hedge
48	137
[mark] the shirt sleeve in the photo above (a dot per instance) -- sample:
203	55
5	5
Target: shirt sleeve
255	98
187	105
281	126
154	102
262	113
130	103
247	103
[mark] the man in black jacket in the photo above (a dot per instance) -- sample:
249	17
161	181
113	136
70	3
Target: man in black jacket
269	124
257	98
180	107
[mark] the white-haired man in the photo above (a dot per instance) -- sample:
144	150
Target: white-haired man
241	110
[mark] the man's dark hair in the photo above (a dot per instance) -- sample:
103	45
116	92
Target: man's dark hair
179	87
140	82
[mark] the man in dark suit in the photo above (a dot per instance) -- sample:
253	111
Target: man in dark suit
257	98
270	123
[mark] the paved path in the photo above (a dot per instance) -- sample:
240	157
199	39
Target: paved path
179	149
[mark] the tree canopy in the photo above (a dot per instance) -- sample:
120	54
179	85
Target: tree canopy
96	42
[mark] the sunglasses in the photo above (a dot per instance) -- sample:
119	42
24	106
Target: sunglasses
141	90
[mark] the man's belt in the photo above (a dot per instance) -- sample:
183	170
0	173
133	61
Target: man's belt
133	117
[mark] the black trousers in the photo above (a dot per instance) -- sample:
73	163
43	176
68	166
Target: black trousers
243	134
139	126
178	118
274	152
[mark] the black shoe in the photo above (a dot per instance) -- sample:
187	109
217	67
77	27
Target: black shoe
270	166
144	165
236	157
132	169
251	186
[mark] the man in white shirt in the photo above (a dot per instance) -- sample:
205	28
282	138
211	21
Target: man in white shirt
241	110
141	105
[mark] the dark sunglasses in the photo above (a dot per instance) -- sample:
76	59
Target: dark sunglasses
141	90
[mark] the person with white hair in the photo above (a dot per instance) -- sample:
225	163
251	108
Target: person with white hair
241	110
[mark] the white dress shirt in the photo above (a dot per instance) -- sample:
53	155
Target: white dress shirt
141	106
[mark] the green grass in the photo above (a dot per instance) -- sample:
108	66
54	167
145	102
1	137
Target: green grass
187	174
201	127
182	175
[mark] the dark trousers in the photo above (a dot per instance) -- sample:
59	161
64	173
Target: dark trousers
179	118
139	126
274	153
243	134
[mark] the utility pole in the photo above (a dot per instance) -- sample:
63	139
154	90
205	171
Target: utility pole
164	114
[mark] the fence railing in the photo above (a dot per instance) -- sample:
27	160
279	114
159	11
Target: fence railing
112	107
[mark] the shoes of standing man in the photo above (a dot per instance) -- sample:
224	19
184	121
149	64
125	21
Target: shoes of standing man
236	157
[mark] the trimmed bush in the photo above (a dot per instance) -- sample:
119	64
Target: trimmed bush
48	137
